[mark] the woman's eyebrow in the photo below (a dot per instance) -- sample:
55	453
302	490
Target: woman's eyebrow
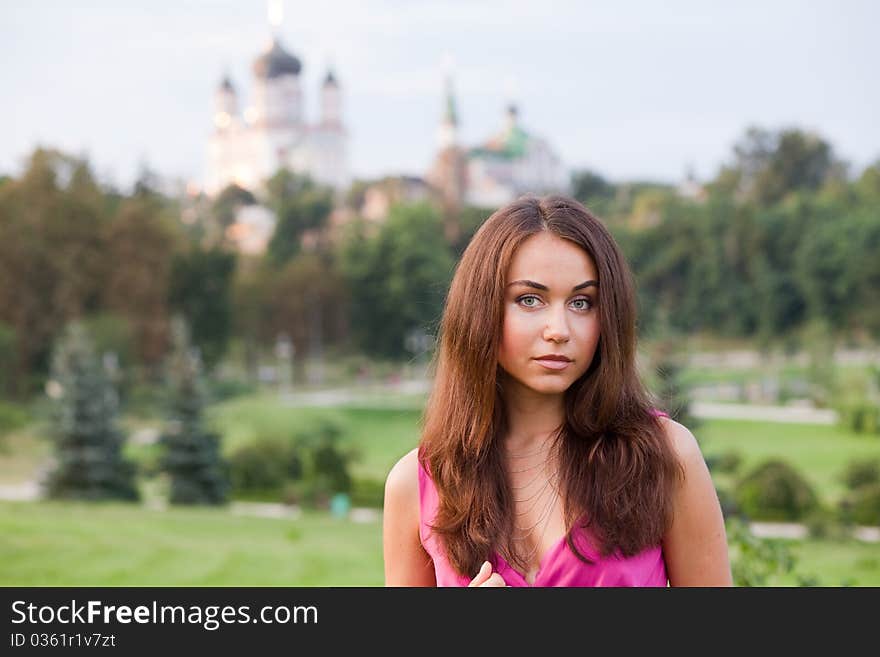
540	286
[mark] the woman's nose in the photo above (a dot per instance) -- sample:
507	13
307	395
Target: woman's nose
556	329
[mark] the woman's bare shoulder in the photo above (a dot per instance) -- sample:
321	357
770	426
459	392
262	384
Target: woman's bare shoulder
406	561
403	479
682	440
695	545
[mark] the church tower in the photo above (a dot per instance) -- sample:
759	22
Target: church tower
225	105
329	137
447	134
277	93
273	132
331	110
448	174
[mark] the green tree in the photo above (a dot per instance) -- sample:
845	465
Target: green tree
868	184
299	206
837	270
768	165
397	278
51	255
309	303
469	220
88	445
140	247
228	202
252	308
201	292
594	191
197	472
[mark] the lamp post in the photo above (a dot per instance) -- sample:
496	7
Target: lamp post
284	351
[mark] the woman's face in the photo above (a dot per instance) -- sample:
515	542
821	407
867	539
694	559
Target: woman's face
551	318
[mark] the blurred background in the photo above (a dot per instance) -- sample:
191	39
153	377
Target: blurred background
227	230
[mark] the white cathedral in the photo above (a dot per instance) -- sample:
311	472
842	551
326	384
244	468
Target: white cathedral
509	164
248	147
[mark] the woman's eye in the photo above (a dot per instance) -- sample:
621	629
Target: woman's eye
529	301
582	304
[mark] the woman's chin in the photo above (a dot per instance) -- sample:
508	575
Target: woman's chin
552	387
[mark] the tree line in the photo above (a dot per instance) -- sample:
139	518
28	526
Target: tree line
780	239
783	236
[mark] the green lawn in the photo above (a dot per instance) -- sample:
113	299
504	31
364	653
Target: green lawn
70	544
836	563
382	433
819	452
77	544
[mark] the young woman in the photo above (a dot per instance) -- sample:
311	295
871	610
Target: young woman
543	461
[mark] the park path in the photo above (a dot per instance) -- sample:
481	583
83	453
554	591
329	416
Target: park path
785	414
797	414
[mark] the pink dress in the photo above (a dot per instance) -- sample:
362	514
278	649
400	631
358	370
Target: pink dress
559	567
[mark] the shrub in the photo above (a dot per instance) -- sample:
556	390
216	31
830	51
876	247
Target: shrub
728	462
368	492
313	492
307	469
729	507
332	464
824	524
219	390
860	416
862	506
756	561
325	459
260	467
859	473
775	491
858	402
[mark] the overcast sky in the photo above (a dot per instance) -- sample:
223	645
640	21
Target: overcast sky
631	89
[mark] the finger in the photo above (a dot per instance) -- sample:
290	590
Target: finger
483	575
495	580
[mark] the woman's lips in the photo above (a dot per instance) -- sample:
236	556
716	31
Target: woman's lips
551	364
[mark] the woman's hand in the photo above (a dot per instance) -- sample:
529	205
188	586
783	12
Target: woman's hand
486	577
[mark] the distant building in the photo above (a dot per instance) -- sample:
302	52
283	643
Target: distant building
248	147
691	188
511	163
252	229
380	196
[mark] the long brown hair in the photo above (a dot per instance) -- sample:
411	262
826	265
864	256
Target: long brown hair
617	470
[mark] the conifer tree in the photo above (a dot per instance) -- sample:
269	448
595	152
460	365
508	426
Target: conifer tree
89	463
192	454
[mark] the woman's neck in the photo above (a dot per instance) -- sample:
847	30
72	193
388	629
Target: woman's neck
532	418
